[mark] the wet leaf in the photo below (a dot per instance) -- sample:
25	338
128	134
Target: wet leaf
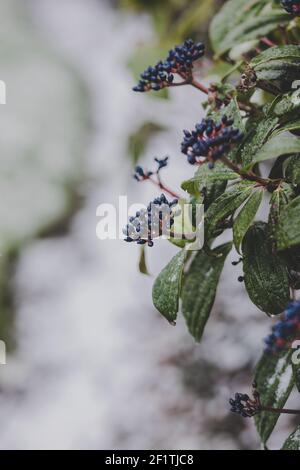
199	288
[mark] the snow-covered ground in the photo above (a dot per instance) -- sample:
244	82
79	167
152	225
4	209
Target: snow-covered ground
96	367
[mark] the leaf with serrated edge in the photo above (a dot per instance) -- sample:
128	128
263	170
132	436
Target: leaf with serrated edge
199	288
167	286
245	217
274	378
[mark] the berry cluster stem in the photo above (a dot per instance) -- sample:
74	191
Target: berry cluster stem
280	410
163	187
248	175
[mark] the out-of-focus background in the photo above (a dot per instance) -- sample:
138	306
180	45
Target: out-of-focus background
90	363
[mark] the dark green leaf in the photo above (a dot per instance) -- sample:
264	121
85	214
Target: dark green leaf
276	53
278	202
167	286
225	205
292	169
287	231
293	441
265	273
274	378
199	288
280	64
245	217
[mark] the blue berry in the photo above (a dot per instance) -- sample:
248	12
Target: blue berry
209	141
152	222
179	61
141	175
285	330
291	6
244	405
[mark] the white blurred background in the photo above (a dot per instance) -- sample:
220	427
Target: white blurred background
91	364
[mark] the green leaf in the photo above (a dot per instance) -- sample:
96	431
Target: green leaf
277	146
245	217
292	169
286	104
293	441
278	202
167	286
279	63
287	231
257	138
276	53
225	205
199	288
265	273
240	21
274	378
204	176
142	262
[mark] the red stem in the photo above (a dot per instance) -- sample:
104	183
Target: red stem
268	42
280	410
163	187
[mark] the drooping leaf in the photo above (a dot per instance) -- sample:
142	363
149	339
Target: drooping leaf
225	205
285	144
199	288
245	217
167	286
274	378
287	231
293	441
265	273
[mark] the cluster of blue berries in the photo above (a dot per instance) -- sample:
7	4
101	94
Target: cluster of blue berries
291	6
210	141
151	223
244	405
284	331
179	61
140	174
